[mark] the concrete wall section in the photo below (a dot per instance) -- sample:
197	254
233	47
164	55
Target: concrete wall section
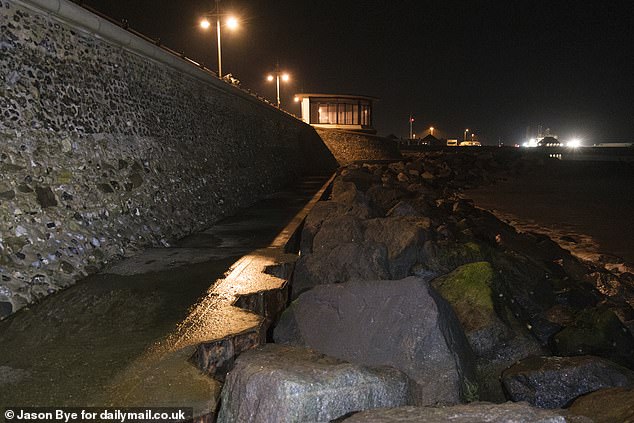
348	147
104	150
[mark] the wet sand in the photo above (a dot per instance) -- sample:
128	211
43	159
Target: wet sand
588	204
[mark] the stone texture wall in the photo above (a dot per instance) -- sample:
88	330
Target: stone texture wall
104	151
348	147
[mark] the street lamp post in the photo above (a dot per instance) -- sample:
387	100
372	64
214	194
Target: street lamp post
411	127
466	131
431	130
232	23
276	76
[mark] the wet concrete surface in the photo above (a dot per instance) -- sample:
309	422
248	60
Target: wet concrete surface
107	340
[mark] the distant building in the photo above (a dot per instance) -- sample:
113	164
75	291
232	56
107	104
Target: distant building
543	139
338	111
432	140
470	144
614	144
549	141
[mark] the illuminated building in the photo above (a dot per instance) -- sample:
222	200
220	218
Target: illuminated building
337	111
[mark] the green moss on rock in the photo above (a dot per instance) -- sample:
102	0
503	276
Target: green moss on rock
447	257
472	248
468	290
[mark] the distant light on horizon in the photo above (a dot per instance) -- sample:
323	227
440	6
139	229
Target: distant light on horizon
574	143
532	142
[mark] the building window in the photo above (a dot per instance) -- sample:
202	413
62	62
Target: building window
365	115
340	112
314	113
332	113
341	115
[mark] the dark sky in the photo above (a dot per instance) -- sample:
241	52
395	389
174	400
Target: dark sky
495	67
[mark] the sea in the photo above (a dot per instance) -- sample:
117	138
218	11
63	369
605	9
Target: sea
587	207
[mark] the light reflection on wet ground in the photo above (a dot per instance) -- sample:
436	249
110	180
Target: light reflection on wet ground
95	344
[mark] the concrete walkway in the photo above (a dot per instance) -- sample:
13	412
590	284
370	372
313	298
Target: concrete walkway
116	338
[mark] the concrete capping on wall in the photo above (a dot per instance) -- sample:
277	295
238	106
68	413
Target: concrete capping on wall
70	13
256	289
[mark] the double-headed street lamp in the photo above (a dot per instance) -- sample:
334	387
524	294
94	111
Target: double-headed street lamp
231	22
276	76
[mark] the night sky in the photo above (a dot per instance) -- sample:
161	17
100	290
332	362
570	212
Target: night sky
494	67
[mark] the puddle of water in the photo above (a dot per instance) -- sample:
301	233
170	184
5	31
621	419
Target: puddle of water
73	344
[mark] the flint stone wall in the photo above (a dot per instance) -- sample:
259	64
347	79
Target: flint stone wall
109	146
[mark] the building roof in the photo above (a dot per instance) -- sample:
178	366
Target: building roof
430	138
330	95
549	140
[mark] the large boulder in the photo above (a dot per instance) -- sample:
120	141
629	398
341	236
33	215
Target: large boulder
340	264
355	201
528	291
321	212
445	256
395	323
496	344
383	198
491	366
278	383
553	382
402	238
467	413
361	178
596	331
469	290
346	247
606	405
337	231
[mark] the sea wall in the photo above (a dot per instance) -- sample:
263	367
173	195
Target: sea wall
348	147
109	143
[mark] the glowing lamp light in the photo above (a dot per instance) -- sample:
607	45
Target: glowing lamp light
296	99
574	143
232	22
269	78
205	24
285	77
